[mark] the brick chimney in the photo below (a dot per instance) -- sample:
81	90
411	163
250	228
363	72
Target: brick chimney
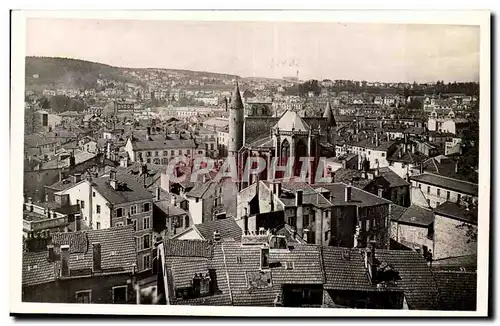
96	257
64	260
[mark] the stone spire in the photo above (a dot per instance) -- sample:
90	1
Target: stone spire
236	101
329	115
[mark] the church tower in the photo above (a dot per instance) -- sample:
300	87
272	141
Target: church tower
236	118
331	124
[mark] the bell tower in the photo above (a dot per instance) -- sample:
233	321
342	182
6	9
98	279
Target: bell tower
236	118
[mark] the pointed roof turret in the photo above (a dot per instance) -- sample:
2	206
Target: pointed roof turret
236	102
329	115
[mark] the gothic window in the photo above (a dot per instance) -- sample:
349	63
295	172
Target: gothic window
285	148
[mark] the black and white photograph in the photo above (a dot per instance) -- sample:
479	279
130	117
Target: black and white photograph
244	163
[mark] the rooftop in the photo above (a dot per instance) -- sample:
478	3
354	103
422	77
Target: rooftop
457	212
417	215
118	253
447	183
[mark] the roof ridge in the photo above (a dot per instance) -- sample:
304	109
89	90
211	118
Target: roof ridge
227	273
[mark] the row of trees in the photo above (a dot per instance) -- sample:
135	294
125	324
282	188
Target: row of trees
414	89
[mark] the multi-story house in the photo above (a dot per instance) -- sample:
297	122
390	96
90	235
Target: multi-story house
432	190
51	216
92	266
158	149
326	214
111	201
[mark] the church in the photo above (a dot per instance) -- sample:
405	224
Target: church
259	133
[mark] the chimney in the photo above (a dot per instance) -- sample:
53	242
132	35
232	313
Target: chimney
213	288
157	193
51	254
217	236
196	284
112	180
371	261
348	193
413	148
77	177
380	192
377	141
124	162
456	167
264	257
61	175
96	257
299	211
72	160
298	197
306	235
46	197
245	220
64	260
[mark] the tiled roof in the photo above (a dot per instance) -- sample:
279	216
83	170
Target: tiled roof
397	211
447	183
469	262
184	268
36	268
359	197
291	121
345	269
134	171
266	142
163	144
200	189
350	175
257	297
188	248
228	229
457	290
117	246
417	215
256	127
456	211
77	241
223	297
37	139
118	252
406	157
306	261
133	192
416	281
391	177
166	207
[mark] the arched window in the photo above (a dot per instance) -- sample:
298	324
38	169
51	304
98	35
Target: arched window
285	148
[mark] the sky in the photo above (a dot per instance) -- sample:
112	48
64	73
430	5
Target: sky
371	52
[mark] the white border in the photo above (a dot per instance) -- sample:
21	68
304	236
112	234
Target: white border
481	18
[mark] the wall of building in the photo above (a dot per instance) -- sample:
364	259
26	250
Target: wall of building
451	239
196	210
422	193
343	225
412	236
64	291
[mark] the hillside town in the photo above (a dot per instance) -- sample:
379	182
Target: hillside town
383	215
